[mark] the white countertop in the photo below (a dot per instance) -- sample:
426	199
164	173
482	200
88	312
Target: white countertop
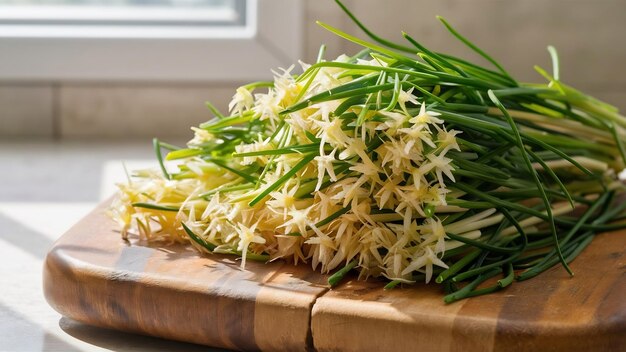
45	187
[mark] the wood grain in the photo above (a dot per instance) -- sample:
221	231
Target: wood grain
553	312
91	275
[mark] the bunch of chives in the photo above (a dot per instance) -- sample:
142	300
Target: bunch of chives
398	162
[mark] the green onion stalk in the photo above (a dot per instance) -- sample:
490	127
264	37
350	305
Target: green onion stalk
397	162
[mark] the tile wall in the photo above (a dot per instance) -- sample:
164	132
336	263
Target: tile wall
589	35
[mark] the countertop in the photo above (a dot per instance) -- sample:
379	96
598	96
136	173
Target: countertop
45	187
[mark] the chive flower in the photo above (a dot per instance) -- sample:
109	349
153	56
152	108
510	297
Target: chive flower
398	162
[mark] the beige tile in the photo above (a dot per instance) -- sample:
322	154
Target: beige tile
390	18
26	110
127	110
315	36
588	34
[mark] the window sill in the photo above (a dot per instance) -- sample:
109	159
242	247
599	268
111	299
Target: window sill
272	39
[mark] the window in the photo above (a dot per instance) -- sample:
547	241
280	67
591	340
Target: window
181	40
149	18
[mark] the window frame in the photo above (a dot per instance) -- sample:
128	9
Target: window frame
45	17
271	37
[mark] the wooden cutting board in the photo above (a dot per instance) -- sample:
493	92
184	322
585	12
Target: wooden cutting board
93	276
